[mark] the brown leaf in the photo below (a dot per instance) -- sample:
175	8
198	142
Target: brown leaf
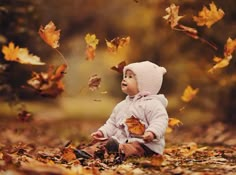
119	68
94	82
117	43
208	16
48	83
50	35
134	125
68	154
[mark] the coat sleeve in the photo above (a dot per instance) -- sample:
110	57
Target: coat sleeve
109	128
157	118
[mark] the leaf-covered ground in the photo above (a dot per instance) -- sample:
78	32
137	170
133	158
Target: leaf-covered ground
38	147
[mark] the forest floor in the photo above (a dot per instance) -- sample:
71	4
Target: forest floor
45	146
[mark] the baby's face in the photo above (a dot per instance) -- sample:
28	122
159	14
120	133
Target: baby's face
129	83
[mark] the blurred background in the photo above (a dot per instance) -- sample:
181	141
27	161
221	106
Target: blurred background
186	60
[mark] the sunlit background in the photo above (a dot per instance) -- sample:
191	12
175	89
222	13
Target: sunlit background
186	60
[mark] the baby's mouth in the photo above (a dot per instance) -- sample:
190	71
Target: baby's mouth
123	84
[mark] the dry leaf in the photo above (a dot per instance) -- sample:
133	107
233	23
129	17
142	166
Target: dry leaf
189	94
20	55
174	122
117	43
68	154
10	52
208	16
134	125
50	35
229	48
173	15
119	68
48	83
94	82
91	42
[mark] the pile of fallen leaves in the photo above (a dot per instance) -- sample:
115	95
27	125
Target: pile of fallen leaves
41	148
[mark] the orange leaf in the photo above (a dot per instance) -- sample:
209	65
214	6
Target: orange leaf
91	42
94	82
49	83
174	122
134	125
119	68
90	53
10	52
117	43
50	35
68	154
208	16
20	55
229	48
173	15
189	94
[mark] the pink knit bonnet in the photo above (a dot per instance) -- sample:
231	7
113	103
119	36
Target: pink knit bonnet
149	76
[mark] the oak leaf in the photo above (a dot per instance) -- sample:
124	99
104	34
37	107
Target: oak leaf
173	15
91	42
94	82
135	127
20	55
189	94
50	35
117	43
49	83
119	68
208	16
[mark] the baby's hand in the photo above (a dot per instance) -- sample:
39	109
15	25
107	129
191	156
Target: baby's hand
148	136
96	135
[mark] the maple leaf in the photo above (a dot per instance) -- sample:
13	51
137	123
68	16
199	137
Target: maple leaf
20	55
117	43
173	15
48	83
94	82
208	16
134	125
119	68
50	35
10	52
189	94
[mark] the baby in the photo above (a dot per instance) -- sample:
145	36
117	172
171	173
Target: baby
141	82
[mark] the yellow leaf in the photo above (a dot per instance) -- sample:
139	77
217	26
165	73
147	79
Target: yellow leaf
91	40
50	35
174	122
24	57
208	16
217	59
229	48
134	125
10	52
173	15
20	55
189	94
169	130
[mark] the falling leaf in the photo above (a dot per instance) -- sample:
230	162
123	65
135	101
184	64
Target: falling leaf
91	42
220	64
172	122
229	48
20	55
50	35
10	52
134	125
117	43
208	16
25	116
189	94
173	15
48	83
94	82
119	68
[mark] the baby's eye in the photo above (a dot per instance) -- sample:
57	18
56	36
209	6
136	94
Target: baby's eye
130	76
125	76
